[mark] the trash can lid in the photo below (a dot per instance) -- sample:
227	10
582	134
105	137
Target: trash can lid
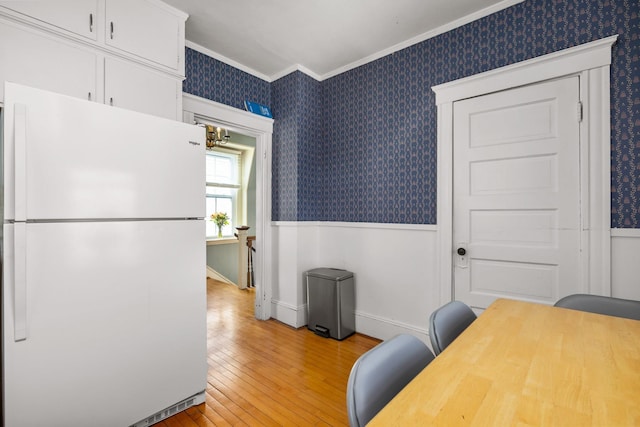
330	273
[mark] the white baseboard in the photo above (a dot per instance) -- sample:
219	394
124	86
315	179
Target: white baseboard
383	329
289	314
366	324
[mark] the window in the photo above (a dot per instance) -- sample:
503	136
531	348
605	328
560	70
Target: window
223	185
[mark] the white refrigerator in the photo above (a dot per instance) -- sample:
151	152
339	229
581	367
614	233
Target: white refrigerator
103	256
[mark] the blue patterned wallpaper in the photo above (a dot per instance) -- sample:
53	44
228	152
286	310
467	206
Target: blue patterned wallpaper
284	180
310	149
380	152
381	117
297	148
625	114
373	140
212	79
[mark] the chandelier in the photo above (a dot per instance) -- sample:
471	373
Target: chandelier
216	136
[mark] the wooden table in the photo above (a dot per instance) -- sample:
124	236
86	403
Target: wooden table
524	364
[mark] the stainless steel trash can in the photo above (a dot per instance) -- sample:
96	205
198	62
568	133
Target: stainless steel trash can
331	302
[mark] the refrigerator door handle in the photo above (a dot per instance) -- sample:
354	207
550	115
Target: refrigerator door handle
20	162
20	282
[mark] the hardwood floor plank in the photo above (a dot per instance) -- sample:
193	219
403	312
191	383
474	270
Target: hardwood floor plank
208	414
178	420
242	393
244	416
265	373
281	406
199	415
261	417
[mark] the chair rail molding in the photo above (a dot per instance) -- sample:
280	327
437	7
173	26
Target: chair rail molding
591	61
261	128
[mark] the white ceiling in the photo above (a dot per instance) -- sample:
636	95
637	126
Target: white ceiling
270	38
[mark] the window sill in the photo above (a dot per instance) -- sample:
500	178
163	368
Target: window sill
222	241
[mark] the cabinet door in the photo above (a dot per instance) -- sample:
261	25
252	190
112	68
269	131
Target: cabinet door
76	16
144	29
31	58
136	88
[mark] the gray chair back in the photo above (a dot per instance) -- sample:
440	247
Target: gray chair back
379	374
447	322
610	306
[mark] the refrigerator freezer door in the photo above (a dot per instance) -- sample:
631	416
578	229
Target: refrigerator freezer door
83	160
115	322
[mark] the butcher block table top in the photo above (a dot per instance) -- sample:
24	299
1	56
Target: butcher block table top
525	364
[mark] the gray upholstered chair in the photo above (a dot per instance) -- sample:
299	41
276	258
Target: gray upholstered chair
602	305
447	322
379	374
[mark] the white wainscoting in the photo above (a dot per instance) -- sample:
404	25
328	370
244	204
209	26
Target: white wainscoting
395	271
625	263
394	267
294	247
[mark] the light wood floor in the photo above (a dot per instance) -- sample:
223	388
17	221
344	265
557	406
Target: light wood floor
267	373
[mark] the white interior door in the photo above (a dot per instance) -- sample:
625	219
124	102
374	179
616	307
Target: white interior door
516	225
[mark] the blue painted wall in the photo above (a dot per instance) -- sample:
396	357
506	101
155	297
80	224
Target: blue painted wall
368	154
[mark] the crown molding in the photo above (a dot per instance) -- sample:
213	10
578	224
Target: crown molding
294	68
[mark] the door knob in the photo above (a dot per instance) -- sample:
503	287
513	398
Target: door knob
461	251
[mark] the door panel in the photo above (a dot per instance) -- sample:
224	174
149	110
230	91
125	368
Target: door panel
517	194
514	278
523	227
527	122
515	175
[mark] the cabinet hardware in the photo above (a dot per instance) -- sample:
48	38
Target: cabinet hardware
580	111
89	96
91	22
111	28
111	101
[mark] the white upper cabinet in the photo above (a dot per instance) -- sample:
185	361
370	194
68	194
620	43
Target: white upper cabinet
130	86
127	53
148	31
27	57
76	16
144	29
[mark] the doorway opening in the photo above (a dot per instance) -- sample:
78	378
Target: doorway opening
259	129
231	200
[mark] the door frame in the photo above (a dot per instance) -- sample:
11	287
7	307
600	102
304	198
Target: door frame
591	61
261	128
